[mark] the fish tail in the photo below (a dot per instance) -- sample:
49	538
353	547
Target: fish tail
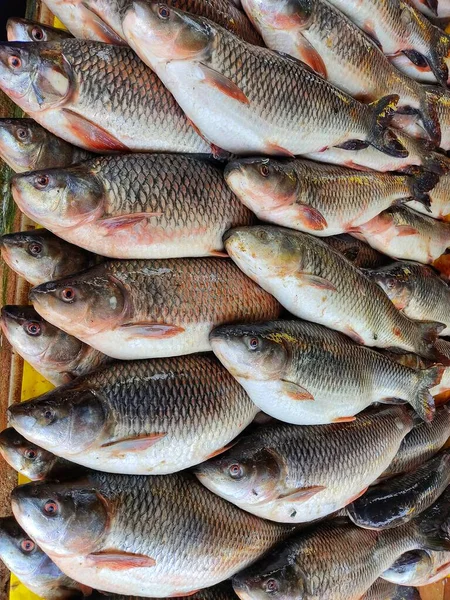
423	401
420	184
437	163
431	527
428	332
381	137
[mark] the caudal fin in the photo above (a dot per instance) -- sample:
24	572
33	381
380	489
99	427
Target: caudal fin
423	401
433	525
381	137
421	183
428	333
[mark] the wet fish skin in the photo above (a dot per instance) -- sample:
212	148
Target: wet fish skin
384	590
357	252
140	417
320	199
419	568
135	206
221	591
39	256
288	474
439	196
440	98
59	357
153	555
433	8
33	567
97	96
250	96
152	308
26	146
315	283
24	30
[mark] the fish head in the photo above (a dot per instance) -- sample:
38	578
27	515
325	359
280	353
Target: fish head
68	419
285	15
164	33
21	141
21	30
263	184
252	351
59	198
23	456
397	281
109	11
36	76
82	304
65	519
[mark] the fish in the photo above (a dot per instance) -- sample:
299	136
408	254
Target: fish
293	474
320	199
433	8
397	501
31	460
439	200
222	12
314	282
416	290
250	96
221	591
404	234
133	309
59	357
356	251
440	98
152	536
33	567
315	32
419	568
400	29
306	374
135	205
140	417
384	590
441	391
26	146
39	256
120	106
24	30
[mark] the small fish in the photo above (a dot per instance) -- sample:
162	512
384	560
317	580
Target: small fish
39	256
26	146
419	568
314	282
384	590
320	199
153	308
296	474
357	252
153	536
59	357
398	501
23	30
135	205
140	417
244	98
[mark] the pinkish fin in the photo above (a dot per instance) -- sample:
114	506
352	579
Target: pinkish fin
219	253
303	494
91	135
135	444
112	224
85	589
309	55
182	594
356	496
151	330
223	84
119	561
295	392
317	282
344	419
403	230
221	450
274	149
353	335
311	218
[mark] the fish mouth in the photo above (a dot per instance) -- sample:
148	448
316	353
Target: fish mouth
20	418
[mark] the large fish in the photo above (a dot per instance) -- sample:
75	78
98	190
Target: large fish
306	374
403	233
152	308
357	252
416	290
418	568
39	256
152	536
140	417
384	590
135	205
59	357
320	199
97	96
26	146
317	33
296	474
397	501
33	567
23	30
316	283
244	98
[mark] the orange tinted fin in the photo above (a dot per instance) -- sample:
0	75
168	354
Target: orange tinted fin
221	450
152	330
311	218
442	264
303	494
403	230
135	444
119	561
344	419
218	254
351	333
92	135
182	594
309	55
112	224
278	150
442	398
223	84
295	392
353	498
317	282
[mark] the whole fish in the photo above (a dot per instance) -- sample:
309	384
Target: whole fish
336	560
26	146
298	474
151	536
314	282
23	30
418	568
140	417
33	567
97	96
59	357
416	290
135	205
398	501
384	590
153	308
357	252
399	28
403	233
320	199
433	8
439	197
317	33
306	374
39	256
222	12
245	98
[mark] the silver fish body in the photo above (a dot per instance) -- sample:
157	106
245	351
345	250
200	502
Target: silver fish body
419	568
384	590
23	30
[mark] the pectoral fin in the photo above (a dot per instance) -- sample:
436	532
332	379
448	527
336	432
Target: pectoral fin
309	55
344	420
119	561
403	230
112	224
92	135
358	495
295	392
276	150
219	253
311	218
134	444
304	493
221	450
316	282
151	330
223	84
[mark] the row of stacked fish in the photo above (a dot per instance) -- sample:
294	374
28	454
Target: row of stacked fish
169	317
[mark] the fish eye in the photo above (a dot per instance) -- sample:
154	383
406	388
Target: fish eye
14	62
27	545
262	234
68	294
163	12
271	586
22	134
34	248
236	471
264	170
30	454
51	508
390	284
253	343
48	415
41	181
33	328
37	34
